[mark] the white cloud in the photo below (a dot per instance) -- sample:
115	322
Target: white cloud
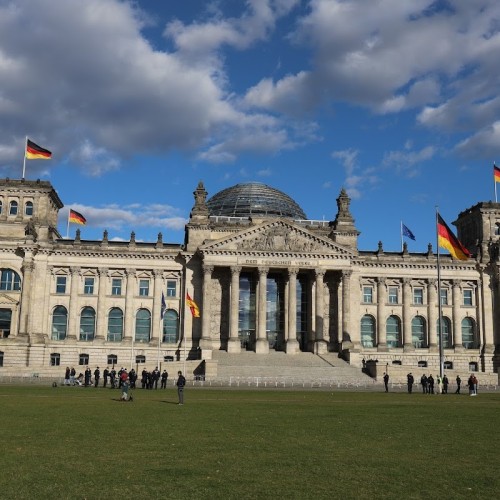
405	161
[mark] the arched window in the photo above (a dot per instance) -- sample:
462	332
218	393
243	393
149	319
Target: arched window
418	331
142	325
13	207
10	280
170	326
59	323
446	332
1	206
393	332
368	331
28	208
115	325
469	340
87	324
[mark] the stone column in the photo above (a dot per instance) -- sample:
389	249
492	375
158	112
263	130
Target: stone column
292	345
485	310
320	344
205	341
455	311
381	301
407	334
346	308
101	333
234	341
262	344
157	323
432	313
73	328
129	330
27	268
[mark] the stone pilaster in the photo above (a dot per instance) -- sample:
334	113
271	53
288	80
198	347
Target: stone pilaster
157	323
381	301
234	341
432	314
262	344
457	321
205	341
101	305
74	304
129	330
346	310
321	346
407	299
292	344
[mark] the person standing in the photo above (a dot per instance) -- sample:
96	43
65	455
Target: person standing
164	378
410	379
105	374
430	383
181	382
474	385
439	381
459	381
72	376
97	376
88	376
67	375
156	377
445	384
423	381
386	382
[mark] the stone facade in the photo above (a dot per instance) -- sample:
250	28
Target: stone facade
261	284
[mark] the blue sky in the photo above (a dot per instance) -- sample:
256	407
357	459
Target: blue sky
395	101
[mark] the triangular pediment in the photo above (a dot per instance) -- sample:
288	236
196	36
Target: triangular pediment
277	236
7	300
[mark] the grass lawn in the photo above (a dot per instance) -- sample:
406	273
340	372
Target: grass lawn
77	443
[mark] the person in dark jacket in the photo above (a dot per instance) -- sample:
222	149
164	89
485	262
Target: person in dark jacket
181	382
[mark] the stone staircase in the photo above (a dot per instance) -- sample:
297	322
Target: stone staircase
283	370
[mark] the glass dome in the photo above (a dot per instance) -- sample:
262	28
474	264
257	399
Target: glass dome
254	199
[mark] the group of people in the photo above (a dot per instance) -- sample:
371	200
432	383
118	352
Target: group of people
438	386
124	380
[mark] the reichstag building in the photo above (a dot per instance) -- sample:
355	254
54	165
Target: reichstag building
264	276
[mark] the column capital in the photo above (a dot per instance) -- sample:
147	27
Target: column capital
235	270
28	266
103	272
293	271
381	280
406	281
158	273
131	272
263	270
346	273
208	269
320	273
75	270
456	283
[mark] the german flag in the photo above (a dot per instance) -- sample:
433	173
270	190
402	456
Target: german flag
76	217
35	152
195	311
496	173
449	241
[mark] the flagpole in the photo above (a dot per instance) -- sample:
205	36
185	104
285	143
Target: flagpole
160	337
495	181
24	159
401	231
184	331
440	307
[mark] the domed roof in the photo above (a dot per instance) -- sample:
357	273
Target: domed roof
254	199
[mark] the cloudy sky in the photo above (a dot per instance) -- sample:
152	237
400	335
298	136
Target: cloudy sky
397	101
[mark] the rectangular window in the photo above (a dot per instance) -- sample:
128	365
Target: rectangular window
112	359
88	287
116	286
444	296
368	295
393	295
418	295
55	359
143	288
61	284
83	359
171	288
467	297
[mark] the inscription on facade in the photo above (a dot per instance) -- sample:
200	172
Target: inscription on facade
280	263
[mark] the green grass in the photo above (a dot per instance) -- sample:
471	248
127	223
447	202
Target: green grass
83	443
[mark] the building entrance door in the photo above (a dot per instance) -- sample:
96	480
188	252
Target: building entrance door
5	320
